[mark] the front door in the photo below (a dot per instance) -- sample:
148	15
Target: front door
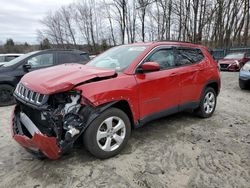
159	91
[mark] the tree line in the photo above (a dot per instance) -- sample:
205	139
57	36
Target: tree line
104	23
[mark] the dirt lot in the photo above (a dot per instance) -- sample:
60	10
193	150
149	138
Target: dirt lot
177	151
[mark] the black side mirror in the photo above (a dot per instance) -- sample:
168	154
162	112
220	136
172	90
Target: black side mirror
27	66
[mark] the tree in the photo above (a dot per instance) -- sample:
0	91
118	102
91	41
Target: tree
45	44
9	46
216	23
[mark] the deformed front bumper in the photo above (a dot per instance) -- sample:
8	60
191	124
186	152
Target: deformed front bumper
35	140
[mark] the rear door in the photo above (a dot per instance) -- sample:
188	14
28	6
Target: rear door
159	91
190	62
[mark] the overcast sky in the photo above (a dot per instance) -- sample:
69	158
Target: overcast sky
20	19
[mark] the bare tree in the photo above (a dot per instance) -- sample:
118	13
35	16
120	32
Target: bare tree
217	23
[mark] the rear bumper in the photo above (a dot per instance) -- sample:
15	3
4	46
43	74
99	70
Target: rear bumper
37	142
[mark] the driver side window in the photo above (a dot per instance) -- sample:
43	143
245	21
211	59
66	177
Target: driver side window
43	60
164	57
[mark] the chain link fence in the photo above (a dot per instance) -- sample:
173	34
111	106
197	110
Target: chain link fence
220	53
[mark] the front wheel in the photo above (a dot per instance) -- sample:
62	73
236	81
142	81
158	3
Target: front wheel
107	135
207	103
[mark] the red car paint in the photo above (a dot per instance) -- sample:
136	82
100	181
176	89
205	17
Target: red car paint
144	93
233	64
47	145
64	77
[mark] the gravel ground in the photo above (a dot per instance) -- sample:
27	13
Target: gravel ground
178	151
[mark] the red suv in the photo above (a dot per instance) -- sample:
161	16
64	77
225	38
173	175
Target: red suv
100	102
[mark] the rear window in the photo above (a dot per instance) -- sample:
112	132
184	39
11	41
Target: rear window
189	56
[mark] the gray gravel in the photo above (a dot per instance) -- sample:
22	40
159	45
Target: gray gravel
178	151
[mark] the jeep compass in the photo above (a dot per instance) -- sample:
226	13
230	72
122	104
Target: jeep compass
100	102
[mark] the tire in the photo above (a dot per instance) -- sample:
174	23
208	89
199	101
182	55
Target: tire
242	85
6	95
207	103
106	145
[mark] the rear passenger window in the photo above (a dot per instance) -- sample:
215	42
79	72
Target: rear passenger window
165	58
84	57
67	58
188	56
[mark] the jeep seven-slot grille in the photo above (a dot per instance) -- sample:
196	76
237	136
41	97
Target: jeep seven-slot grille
29	96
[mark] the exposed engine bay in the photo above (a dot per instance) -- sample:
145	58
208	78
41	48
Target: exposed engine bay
61	116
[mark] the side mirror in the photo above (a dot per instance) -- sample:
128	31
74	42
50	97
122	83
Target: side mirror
27	66
149	67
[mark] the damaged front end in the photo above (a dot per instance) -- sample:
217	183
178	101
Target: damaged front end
49	124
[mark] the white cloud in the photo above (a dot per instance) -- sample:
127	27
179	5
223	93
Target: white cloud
20	19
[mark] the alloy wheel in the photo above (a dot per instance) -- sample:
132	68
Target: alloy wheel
111	134
209	102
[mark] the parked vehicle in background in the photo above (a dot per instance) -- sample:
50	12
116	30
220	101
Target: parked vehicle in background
7	57
124	87
233	61
12	71
244	79
92	56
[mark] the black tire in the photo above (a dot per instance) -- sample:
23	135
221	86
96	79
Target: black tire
6	95
201	110
242	85
90	135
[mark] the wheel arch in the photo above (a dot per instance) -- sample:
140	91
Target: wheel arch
125	107
213	84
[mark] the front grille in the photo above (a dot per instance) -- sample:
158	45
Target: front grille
30	96
224	66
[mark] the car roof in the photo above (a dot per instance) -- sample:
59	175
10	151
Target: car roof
63	50
169	43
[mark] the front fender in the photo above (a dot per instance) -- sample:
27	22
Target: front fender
5	79
123	87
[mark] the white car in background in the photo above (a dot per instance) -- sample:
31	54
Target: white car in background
7	57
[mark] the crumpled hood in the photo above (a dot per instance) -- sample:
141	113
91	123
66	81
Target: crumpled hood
62	77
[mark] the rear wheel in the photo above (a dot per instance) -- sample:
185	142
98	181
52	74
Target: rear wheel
107	135
6	95
207	103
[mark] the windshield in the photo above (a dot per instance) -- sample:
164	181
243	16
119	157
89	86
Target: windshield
234	56
118	58
18	59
